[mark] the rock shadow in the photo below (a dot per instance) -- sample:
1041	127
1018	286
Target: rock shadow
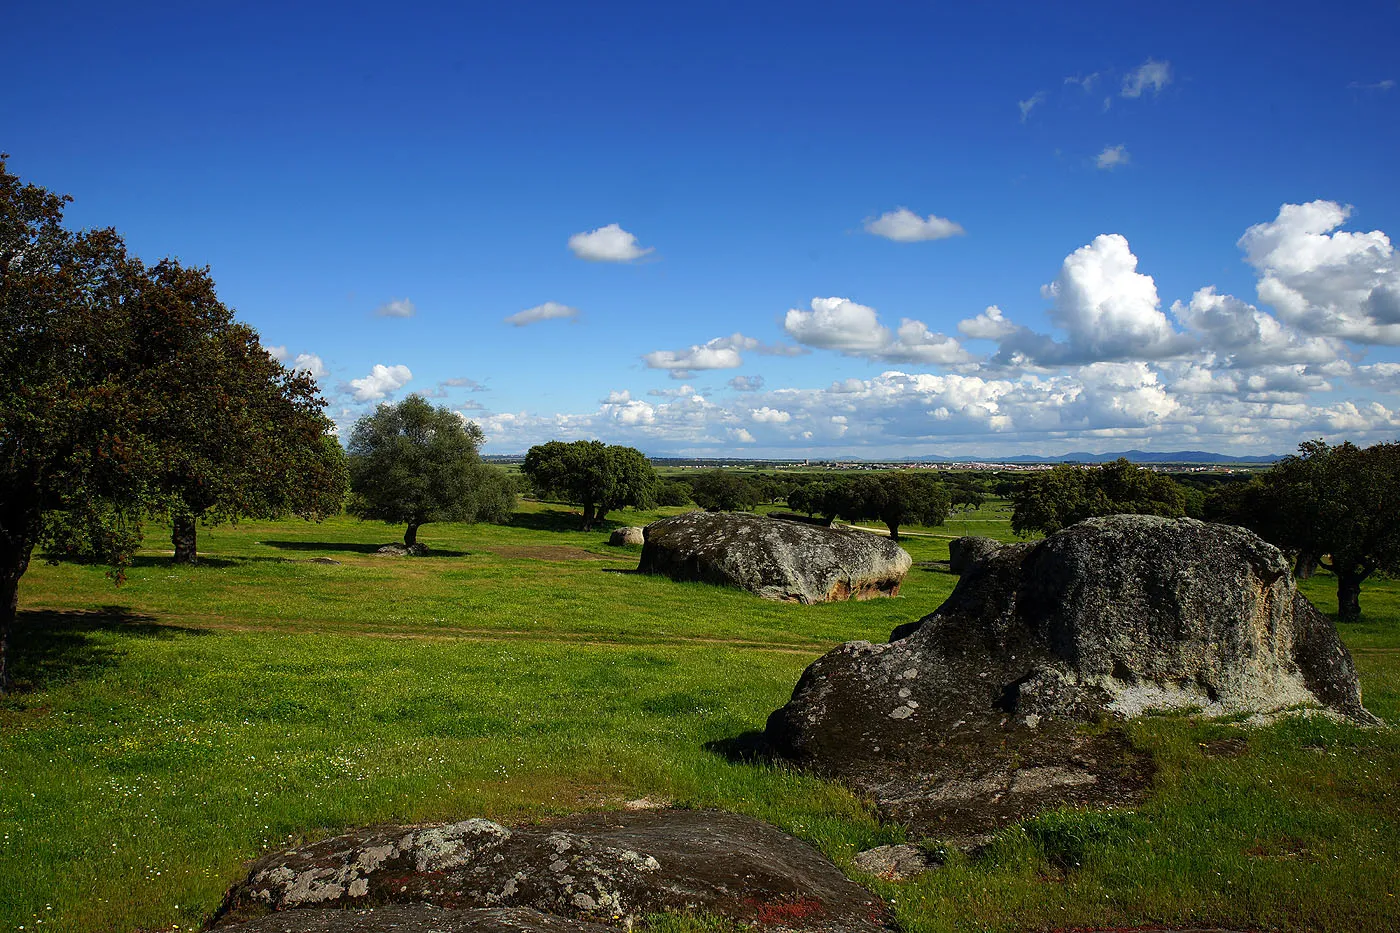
52	647
354	547
750	747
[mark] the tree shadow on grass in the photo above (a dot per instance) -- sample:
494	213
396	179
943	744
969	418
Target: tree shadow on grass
560	520
52	647
352	547
139	560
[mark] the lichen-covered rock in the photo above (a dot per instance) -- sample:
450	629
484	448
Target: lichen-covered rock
420	918
623	537
969	718
896	862
965	551
782	560
603	867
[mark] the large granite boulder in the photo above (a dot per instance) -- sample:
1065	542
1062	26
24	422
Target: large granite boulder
610	868
970	718
783	560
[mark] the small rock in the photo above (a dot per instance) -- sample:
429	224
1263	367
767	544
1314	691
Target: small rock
403	550
624	537
645	803
895	863
324	560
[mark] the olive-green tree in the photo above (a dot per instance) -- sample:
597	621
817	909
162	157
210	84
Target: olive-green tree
1064	495
1337	506
411	464
725	491
600	477
895	499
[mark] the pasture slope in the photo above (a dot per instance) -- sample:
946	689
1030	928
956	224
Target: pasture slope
168	731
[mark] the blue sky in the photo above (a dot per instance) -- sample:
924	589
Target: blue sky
1181	213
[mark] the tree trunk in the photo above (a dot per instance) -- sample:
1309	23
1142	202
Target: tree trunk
601	514
894	530
183	534
1305	565
588	516
13	564
1349	595
410	535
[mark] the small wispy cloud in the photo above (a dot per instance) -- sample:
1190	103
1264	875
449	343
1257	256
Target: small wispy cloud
549	311
1385	85
1087	82
396	307
1112	157
904	226
471	385
1151	75
746	383
1030	103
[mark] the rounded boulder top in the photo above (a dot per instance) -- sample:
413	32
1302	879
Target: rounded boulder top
776	559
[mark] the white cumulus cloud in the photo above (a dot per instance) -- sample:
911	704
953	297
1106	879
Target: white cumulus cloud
1337	284
766	415
838	324
1110	310
381	381
855	330
549	311
904	226
719	353
607	244
746	383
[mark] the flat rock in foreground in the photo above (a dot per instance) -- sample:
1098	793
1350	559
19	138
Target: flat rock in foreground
416	919
782	560
971	717
611	868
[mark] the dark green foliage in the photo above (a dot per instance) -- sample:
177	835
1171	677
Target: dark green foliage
674	492
598	476
821	497
1336	507
723	491
411	464
125	390
254	439
1065	495
903	498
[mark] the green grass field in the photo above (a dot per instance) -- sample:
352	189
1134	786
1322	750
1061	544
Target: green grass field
167	731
